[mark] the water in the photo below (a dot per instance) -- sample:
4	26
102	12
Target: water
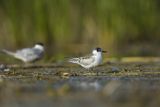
136	84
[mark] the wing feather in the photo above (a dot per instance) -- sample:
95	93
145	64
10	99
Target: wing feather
87	60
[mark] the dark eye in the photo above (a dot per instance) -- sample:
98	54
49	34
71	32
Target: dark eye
98	49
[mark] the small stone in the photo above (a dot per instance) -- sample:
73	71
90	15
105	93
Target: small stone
115	69
65	74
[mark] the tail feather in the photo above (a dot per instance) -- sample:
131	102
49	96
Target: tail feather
8	52
74	60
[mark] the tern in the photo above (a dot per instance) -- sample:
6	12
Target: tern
28	54
89	61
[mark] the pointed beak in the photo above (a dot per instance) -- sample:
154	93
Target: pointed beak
104	51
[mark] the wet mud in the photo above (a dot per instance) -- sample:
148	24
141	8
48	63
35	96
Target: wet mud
66	85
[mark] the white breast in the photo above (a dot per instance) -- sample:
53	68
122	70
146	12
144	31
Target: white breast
98	59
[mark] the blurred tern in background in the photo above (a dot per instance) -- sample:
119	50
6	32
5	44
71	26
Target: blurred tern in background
28	54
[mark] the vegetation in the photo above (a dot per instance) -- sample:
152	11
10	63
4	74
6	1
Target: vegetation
124	27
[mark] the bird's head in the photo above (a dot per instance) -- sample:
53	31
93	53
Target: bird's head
39	46
98	50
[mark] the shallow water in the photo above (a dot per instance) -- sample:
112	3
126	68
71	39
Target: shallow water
113	84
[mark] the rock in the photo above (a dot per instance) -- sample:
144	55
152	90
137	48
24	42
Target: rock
115	69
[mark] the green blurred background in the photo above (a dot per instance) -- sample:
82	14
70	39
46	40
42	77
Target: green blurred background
75	27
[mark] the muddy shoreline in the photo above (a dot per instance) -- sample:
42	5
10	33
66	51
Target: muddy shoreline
111	84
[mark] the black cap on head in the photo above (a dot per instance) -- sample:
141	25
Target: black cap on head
99	49
39	43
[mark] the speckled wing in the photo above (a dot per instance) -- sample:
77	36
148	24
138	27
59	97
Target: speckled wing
87	60
83	60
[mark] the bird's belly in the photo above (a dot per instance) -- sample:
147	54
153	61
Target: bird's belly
91	65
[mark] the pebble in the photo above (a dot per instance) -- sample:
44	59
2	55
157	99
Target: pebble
115	69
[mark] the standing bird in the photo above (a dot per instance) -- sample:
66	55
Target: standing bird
28	54
89	61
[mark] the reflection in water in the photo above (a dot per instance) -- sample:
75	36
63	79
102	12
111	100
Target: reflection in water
88	85
107	85
94	91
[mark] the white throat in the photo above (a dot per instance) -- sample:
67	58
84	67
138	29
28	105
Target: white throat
98	57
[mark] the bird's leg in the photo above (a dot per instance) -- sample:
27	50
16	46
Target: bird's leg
26	65
89	70
96	71
92	70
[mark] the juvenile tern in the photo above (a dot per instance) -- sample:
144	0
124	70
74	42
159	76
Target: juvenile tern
89	61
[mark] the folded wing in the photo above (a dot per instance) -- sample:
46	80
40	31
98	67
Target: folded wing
83	60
